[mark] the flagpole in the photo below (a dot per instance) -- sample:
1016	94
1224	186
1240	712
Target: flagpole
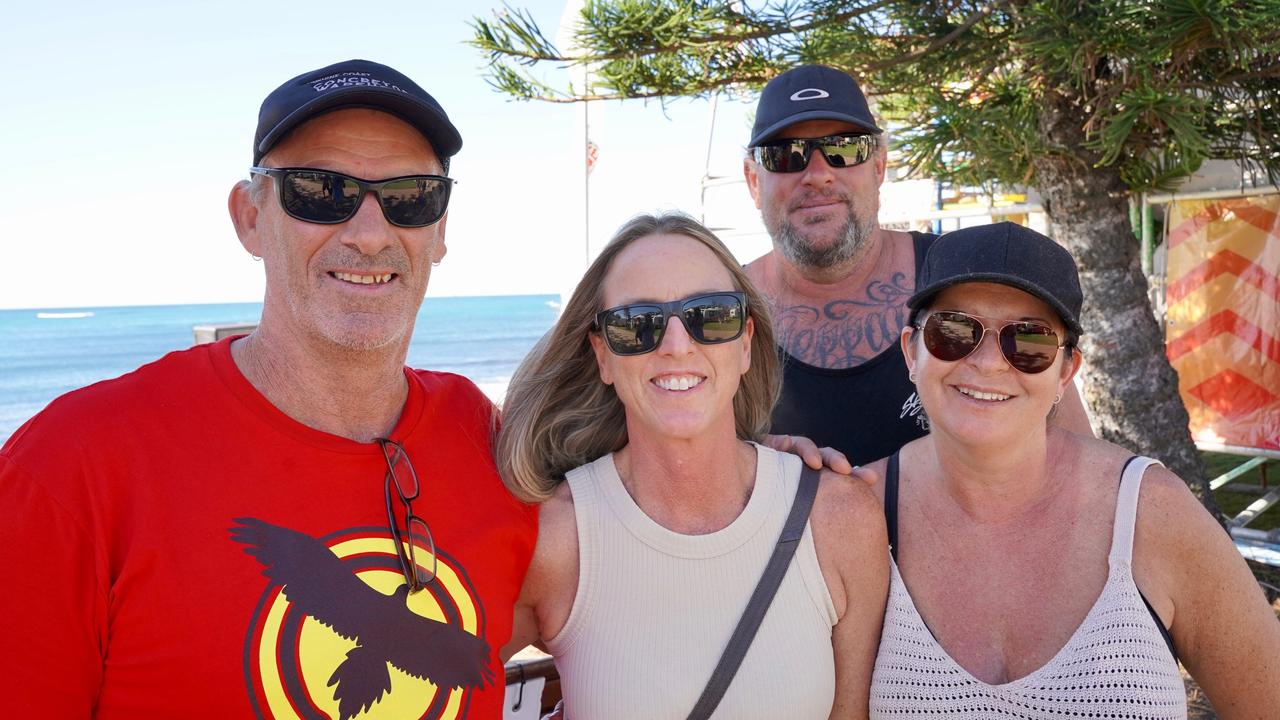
570	17
586	174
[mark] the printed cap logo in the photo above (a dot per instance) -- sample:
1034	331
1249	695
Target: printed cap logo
350	79
809	94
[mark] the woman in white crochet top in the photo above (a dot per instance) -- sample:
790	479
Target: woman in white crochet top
1023	586
632	421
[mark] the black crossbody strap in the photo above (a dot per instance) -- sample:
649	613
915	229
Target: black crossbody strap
760	600
891	504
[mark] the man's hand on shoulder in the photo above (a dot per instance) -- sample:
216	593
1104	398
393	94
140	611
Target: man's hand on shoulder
819	458
813	456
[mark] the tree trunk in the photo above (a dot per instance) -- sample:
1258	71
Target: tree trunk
1129	385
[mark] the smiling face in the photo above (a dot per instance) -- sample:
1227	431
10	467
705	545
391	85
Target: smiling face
821	216
980	398
682	389
356	284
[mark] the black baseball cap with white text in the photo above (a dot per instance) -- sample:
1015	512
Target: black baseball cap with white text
353	84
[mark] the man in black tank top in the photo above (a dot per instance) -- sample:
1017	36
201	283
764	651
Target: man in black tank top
838	282
866	411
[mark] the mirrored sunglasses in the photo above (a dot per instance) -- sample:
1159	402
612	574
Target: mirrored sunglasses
327	198
637	328
1029	347
792	155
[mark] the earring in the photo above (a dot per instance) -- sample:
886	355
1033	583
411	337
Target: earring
1057	399
912	377
256	258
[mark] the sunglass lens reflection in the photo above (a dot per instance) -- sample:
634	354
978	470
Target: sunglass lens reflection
635	329
846	154
783	158
319	197
333	198
950	336
413	201
1029	348
710	319
840	151
714	319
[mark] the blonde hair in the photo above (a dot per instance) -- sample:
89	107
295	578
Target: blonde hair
558	415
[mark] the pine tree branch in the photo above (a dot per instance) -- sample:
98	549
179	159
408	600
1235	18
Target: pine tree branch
691	90
544	51
941	42
767	30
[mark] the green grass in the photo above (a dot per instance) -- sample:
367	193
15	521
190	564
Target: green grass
1233	502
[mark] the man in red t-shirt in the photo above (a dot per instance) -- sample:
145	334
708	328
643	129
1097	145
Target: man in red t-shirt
290	524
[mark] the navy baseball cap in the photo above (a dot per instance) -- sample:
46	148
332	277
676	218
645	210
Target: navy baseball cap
354	84
810	92
1008	254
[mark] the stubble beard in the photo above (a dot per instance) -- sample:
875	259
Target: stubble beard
353	326
800	251
355	330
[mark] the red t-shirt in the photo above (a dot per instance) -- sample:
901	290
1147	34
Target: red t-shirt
175	546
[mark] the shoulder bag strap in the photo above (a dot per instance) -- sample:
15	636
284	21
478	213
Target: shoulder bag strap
891	503
760	600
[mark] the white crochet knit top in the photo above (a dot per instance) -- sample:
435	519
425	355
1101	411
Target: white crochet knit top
1116	665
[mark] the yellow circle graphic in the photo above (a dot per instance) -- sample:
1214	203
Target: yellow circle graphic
294	656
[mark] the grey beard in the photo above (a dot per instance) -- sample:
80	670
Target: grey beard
852	236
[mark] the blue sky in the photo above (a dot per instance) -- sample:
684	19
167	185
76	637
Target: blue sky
126	124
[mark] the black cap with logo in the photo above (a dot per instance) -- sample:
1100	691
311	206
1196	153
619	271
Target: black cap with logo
353	84
1008	254
810	92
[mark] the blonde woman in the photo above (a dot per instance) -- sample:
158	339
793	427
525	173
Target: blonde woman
634	422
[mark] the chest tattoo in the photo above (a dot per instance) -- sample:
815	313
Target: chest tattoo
846	332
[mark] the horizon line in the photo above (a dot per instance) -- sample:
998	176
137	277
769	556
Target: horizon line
61	308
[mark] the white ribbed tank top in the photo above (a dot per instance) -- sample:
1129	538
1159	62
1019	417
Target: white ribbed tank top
1115	665
654	609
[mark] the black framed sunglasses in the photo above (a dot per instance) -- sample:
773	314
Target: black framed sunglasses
1029	347
402	480
637	328
792	155
328	198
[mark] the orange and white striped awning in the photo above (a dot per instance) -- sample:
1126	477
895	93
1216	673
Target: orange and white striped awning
1223	317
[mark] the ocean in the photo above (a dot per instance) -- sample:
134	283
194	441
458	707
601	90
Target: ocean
45	353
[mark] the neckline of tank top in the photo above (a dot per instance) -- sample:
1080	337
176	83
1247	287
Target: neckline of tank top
1115	565
1072	640
766	496
887	355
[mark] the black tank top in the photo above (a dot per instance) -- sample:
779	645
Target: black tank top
867	412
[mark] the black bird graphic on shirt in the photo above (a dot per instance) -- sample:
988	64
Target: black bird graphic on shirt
386	632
